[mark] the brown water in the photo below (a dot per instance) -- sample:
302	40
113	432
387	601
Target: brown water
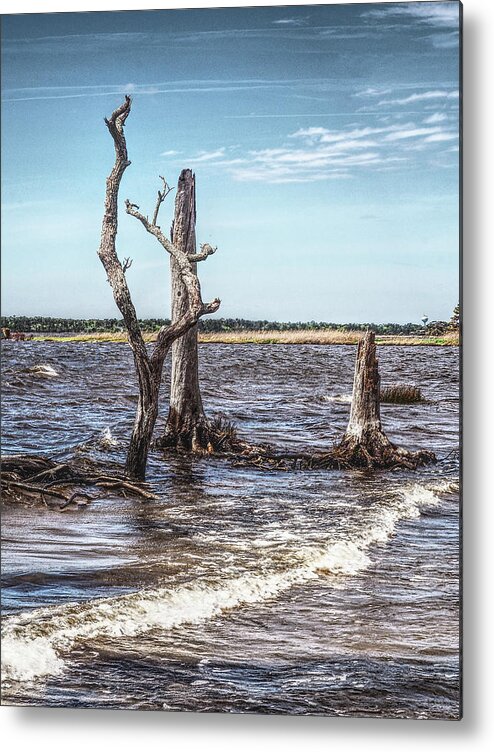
238	590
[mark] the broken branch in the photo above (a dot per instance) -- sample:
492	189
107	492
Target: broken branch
206	250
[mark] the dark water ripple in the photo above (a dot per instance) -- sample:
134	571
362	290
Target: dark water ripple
345	583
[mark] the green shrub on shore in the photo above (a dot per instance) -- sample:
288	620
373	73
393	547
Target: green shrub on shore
55	325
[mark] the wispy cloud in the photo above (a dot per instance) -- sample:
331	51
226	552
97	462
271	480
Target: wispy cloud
442	18
315	88
436	137
373	91
420	97
437	117
195	86
300	21
318	153
208	156
411	133
288	29
445	15
68	42
284	29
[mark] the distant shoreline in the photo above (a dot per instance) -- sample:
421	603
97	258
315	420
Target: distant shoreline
301	337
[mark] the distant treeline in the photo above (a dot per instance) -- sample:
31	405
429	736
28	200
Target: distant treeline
42	324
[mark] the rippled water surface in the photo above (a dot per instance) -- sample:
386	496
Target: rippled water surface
238	590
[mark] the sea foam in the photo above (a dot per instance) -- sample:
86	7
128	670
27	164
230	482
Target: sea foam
35	643
43	369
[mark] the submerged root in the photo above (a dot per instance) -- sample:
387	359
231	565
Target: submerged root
30	480
374	450
194	438
205	437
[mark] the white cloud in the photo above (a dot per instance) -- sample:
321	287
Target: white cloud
442	18
437	117
169	153
309	132
317	153
185	86
444	15
411	133
421	97
291	21
371	91
208	156
441	137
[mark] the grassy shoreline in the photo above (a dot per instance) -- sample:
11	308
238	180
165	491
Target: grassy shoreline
302	337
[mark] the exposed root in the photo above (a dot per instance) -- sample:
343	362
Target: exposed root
206	437
195	439
29	479
340	457
377	452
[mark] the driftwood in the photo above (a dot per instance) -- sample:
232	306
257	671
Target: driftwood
149	367
28	478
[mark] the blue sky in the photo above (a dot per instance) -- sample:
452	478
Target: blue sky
324	141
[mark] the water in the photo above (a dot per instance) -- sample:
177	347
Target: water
237	590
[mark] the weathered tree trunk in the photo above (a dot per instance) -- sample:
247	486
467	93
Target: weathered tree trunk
187	426
365	444
149	367
145	420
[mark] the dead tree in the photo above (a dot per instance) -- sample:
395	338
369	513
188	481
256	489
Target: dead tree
149	366
187	426
365	444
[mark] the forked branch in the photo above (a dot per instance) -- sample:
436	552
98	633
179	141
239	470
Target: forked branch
189	277
161	197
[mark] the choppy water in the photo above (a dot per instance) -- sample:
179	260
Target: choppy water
238	590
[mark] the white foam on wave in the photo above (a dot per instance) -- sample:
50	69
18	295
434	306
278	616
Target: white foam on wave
107	440
446	486
34	643
341	398
30	658
43	369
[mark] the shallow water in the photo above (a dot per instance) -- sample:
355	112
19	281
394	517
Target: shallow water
237	590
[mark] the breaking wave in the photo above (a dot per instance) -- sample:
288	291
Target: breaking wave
35	643
43	370
345	399
106	440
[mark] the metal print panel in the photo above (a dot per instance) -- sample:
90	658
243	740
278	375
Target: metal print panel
230	360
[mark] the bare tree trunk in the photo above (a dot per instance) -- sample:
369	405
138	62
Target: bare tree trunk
187	426
145	420
148	366
365	444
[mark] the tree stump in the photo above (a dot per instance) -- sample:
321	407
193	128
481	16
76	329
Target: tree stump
187	427
365	444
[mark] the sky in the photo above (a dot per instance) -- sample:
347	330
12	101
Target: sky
324	140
